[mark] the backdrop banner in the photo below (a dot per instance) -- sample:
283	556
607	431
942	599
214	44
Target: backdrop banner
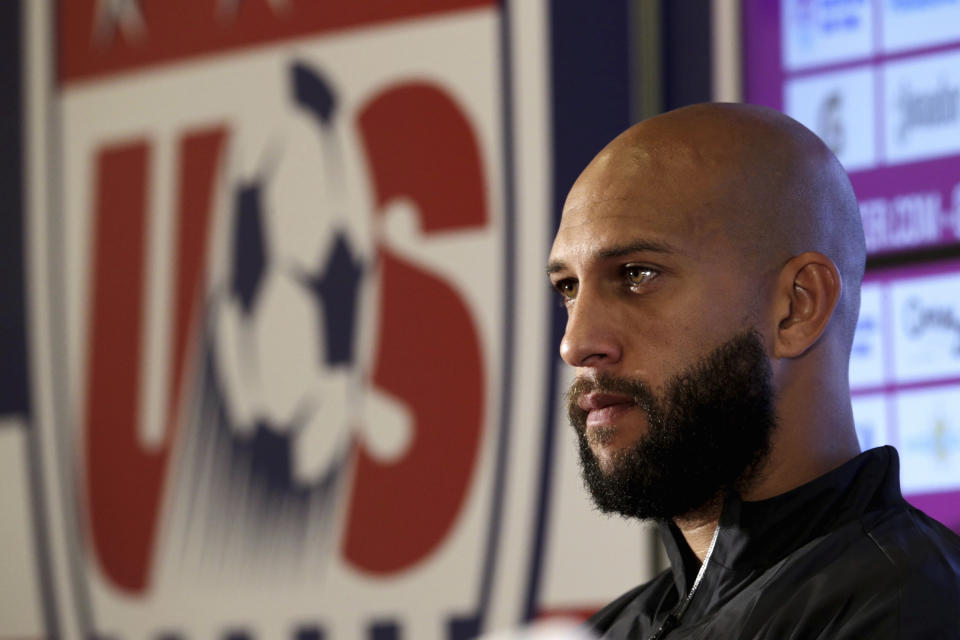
289	353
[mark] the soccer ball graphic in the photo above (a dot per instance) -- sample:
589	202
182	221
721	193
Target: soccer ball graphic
342	345
293	327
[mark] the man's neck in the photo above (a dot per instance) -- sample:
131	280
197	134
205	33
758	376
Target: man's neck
699	526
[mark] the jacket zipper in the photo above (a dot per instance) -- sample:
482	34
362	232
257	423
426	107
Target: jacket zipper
673	619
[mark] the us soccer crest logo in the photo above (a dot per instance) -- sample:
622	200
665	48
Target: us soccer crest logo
280	303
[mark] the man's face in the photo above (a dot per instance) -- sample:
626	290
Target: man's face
645	261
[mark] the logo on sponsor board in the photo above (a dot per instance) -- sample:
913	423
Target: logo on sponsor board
939	107
920	319
830	126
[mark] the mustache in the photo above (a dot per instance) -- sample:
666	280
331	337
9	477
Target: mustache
638	391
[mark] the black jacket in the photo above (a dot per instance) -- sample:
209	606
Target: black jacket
843	556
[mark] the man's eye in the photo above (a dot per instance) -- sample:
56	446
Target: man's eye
567	288
639	275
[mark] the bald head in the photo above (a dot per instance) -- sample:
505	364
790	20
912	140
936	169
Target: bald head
746	176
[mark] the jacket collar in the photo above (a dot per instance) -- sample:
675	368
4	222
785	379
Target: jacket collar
755	535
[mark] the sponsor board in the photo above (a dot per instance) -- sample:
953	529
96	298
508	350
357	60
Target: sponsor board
909	328
916	24
905	376
816	32
838	107
925	324
922	107
868	359
890	114
929	439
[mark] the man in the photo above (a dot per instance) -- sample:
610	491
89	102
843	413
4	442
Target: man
710	261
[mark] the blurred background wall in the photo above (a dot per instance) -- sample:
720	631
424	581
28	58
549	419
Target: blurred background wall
278	357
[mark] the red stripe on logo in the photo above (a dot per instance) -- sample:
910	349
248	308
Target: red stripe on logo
420	146
124	480
120	476
199	154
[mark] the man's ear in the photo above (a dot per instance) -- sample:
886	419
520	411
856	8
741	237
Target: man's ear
807	292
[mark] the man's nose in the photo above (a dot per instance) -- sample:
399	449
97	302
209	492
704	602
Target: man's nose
592	338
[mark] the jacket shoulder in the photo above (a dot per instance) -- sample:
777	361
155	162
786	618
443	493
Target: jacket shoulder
924	556
603	619
892	574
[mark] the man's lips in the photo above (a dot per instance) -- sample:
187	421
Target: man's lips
603	408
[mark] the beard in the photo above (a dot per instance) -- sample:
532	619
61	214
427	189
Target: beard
709	434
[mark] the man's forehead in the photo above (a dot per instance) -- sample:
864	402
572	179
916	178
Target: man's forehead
613	218
594	226
675	194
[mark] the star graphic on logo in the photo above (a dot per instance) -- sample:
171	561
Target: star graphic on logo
113	16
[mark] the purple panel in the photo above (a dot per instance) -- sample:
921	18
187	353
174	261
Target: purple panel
915	204
763	80
943	506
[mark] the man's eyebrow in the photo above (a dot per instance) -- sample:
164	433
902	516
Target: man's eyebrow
555	265
641	246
